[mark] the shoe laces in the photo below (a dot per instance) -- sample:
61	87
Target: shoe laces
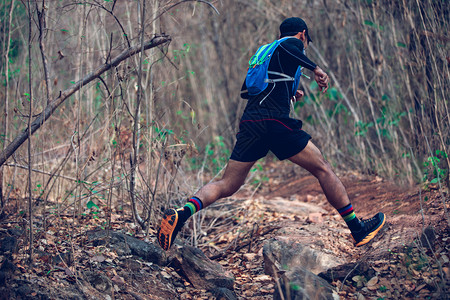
370	223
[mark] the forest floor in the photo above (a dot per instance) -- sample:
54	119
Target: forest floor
286	206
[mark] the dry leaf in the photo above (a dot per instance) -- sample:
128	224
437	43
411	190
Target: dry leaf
118	280
249	256
166	275
263	277
373	281
98	258
446	271
420	287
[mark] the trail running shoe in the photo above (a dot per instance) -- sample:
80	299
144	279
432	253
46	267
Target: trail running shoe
170	225
369	230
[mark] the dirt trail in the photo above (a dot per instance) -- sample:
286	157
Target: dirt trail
300	212
369	195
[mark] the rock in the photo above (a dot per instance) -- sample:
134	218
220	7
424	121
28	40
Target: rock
16	231
6	270
37	289
298	283
347	270
281	256
295	265
5	293
124	244
428	237
224	294
315	218
24	291
100	282
8	244
201	271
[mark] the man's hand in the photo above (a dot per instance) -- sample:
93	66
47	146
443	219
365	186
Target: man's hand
298	95
321	78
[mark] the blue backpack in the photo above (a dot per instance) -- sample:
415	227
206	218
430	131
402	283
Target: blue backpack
257	78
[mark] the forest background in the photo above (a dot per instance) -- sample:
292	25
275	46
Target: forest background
116	128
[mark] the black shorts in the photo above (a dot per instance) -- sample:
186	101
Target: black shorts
284	137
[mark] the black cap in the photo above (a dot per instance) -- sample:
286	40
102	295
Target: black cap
292	26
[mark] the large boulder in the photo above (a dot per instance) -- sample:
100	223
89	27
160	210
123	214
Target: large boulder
124	244
202	272
298	283
295	266
282	256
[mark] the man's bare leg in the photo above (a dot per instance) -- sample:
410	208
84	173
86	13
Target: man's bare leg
312	160
232	180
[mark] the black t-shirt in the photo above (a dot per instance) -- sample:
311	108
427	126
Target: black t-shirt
274	101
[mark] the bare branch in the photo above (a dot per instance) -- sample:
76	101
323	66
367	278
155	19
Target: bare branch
41	25
53	105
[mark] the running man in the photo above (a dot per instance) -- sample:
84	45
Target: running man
265	125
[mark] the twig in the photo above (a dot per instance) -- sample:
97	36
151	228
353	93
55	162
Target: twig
136	129
41	172
30	200
277	280
5	124
41	25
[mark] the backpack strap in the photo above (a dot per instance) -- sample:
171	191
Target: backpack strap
261	55
285	77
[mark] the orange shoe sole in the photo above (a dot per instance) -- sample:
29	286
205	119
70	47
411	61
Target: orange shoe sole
165	232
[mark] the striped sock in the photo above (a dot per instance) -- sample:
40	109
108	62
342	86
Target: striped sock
193	205
350	218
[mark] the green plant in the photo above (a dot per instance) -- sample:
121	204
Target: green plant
362	128
217	154
93	208
259	176
434	172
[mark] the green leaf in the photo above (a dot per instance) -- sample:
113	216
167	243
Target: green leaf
369	23
91	204
435	180
400	44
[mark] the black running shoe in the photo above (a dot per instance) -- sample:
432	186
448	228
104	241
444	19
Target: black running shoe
170	226
369	229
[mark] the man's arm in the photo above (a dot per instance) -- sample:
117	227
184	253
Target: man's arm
294	48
